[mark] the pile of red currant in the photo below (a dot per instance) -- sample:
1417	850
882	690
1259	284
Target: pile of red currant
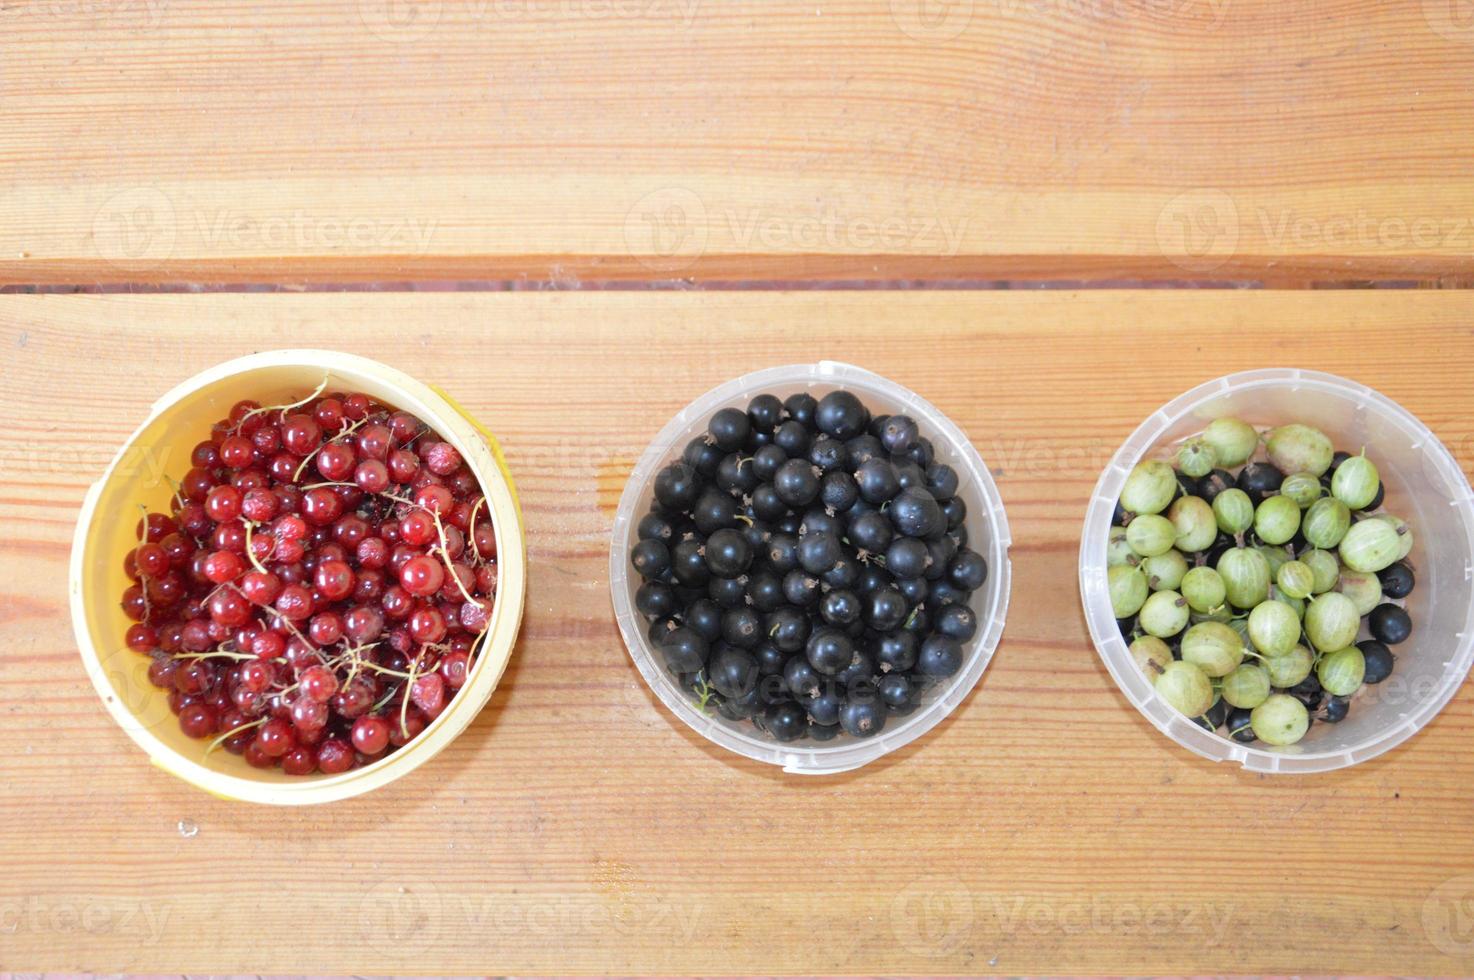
319	593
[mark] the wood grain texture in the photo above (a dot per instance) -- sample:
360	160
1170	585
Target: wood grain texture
577	826
187	140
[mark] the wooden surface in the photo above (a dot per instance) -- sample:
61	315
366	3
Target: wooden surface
578	826
574	140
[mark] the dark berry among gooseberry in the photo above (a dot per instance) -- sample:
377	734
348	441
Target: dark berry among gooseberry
1390	623
1259	480
1379	661
1397	580
1239	727
1335	709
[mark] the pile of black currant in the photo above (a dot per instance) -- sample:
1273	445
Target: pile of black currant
805	566
1264	599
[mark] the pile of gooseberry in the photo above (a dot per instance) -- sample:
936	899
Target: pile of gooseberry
805	565
1257	580
318	592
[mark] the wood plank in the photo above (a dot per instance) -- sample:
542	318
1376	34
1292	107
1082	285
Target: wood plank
576	827
152	141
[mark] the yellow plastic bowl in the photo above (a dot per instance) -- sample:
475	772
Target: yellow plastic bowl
161	448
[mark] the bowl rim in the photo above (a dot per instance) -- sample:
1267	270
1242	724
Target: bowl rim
813	759
1112	649
485	461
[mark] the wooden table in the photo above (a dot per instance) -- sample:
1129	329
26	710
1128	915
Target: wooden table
577	825
577	141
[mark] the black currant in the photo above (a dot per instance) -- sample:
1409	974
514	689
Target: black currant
788	629
729	429
897	651
957	621
786	721
914	512
838	491
765	412
839	607
650	557
1397	580
941	656
941	481
801	407
1390	623
863	719
655	600
877	480
898	433
727	553
829	651
1379	661
968	570
841	415
684	650
797	482
885	610
676	486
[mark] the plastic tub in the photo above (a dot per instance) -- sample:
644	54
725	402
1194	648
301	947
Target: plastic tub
987	529
1424	486
160	447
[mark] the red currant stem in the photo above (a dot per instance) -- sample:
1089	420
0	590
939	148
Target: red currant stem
471	529
404	705
444	550
282	408
384	700
143	528
297	475
234	731
228	654
381	669
250	552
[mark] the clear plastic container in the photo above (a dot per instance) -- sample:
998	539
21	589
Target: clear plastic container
987	530
160	448
1424	486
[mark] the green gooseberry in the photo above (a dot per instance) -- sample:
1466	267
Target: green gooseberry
1128	590
1274	629
1297	448
1245	574
1150	534
1118	550
1362	588
1296	604
1233	510
1246	686
1196	458
1222	614
1277	519
1151	654
1295	579
1280	720
1194	522
1324	566
1165	571
1404	533
1149	488
1203	589
1163	614
1326	522
1185	688
1370	546
1331	621
1276	555
1233	440
1215	648
1355	482
1303	488
1341	672
1290	669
